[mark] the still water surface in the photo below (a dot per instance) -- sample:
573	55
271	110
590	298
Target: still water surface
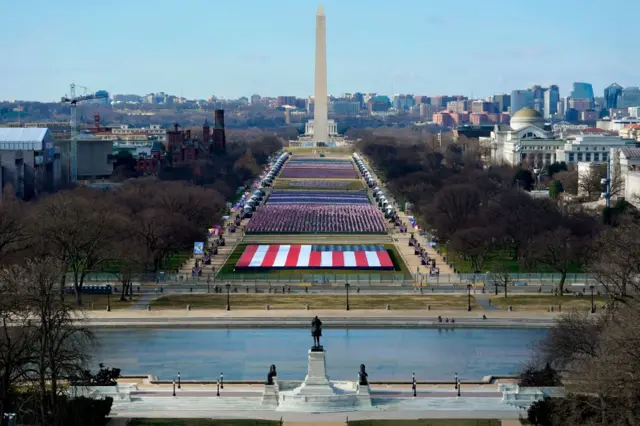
389	354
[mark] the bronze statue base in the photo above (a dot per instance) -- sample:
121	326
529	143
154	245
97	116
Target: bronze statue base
316	348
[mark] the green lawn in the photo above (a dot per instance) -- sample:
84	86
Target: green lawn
426	422
98	302
542	302
501	259
172	264
315	301
201	422
228	268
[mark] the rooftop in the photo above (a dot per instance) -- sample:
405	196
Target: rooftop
527	113
631	152
23	134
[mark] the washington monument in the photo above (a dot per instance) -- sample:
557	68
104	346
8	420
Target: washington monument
321	111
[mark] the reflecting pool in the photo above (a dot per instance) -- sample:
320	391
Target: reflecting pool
389	354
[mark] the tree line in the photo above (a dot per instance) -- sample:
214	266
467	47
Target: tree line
134	228
131	229
128	230
481	212
44	345
598	356
478	210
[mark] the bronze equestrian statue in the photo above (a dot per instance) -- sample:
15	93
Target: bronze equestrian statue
316	332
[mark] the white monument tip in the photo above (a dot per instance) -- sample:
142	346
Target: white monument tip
320	10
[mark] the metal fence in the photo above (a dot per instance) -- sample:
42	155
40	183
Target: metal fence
398	278
361	279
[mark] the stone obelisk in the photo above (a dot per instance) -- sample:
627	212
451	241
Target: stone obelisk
321	110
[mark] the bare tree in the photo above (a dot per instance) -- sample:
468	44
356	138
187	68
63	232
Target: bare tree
15	341
501	278
129	253
454	206
589	182
76	226
60	340
13	235
557	249
600	359
615	261
475	244
569	181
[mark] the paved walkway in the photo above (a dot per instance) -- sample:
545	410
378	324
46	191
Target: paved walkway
483	301
403	244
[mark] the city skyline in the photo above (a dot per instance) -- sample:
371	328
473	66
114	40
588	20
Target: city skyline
372	46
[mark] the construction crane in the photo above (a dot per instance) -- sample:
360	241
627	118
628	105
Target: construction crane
73	101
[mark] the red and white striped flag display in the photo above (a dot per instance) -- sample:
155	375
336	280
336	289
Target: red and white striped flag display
315	256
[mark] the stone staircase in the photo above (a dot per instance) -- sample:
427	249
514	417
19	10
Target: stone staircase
185	406
180	403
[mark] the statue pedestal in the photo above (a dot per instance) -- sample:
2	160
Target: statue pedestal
318	394
364	396
270	395
316	382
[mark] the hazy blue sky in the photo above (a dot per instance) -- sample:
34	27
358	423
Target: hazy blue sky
197	48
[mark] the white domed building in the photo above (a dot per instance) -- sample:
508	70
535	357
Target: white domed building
525	140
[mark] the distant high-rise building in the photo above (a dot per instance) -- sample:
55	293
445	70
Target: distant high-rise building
458	105
440	102
582	91
611	94
379	104
358	97
572	115
521	99
426	110
538	91
629	97
503	101
344	107
560	109
403	102
478	107
580	104
103	98
551	99
255	99
286	100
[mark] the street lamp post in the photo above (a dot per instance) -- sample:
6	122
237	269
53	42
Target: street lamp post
221	381
346	286
174	387
109	301
228	302
468	297
179	387
593	307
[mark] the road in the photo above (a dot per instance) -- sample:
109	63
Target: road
338	288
